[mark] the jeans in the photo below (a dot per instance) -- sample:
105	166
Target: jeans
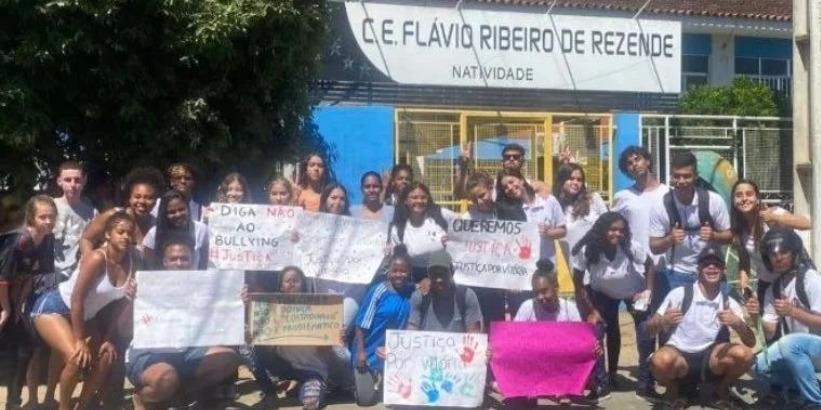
609	310
789	363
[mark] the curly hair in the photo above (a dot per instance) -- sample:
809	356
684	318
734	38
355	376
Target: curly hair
595	240
390	190
141	176
228	180
581	201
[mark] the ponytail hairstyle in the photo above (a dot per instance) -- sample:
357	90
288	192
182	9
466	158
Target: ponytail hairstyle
581	201
545	269
595	240
402	212
31	207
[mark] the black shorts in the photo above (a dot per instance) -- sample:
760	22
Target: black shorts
698	367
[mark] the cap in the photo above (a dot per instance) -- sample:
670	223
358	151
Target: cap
711	254
441	259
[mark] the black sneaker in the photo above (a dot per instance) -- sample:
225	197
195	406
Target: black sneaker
649	394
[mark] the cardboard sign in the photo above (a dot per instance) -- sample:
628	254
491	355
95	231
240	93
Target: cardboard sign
493	253
251	237
280	319
435	368
175	309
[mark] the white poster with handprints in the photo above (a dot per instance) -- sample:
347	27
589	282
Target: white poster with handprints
493	253
340	248
435	368
175	309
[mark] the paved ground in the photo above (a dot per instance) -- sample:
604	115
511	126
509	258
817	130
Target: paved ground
624	399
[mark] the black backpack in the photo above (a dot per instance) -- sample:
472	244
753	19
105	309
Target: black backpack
800	292
461	304
724	333
703	209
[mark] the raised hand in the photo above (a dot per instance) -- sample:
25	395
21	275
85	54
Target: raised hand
469	346
673	316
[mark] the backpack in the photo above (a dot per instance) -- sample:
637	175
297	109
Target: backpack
800	292
461	304
703	209
724	333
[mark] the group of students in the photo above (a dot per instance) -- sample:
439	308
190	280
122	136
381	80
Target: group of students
67	283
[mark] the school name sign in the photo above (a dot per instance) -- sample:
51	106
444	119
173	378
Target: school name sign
435	45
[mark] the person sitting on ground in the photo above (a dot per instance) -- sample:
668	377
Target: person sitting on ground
699	317
161	375
792	318
547	306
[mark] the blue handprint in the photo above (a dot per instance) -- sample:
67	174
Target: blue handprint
431	392
436	374
469	386
450	382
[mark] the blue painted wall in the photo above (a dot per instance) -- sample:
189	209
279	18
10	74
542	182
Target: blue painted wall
362	138
763	47
628	133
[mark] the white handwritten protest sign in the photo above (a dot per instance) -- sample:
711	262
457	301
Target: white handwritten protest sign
340	248
493	253
280	319
251	237
435	368
188	308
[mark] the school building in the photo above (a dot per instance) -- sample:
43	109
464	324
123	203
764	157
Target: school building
413	81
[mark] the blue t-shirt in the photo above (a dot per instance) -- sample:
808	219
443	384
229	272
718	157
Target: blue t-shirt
382	308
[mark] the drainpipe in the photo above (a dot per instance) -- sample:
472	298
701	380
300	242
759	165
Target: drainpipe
814	28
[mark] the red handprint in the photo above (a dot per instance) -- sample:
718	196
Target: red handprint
525	248
147	319
469	346
401	386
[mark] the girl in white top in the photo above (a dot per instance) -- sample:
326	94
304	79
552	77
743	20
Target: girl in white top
750	219
372	206
175	216
581	208
619	270
61	316
420	225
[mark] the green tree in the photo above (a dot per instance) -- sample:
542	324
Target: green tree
743	97
223	84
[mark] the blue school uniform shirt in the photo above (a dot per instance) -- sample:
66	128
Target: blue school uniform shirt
382	308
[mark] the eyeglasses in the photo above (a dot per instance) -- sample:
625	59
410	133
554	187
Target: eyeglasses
512	157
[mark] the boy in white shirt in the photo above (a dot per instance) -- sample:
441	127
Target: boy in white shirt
699	317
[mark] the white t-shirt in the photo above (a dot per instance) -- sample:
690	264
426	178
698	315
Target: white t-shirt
635	206
686	253
386	213
699	327
422	240
198	230
68	229
756	263
545	211
578	227
619	278
812	284
568	312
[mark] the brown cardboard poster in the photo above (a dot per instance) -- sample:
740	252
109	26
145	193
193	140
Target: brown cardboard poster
278	319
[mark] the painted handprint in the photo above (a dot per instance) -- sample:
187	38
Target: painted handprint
431	393
469	346
525	248
450	382
468	387
435	374
400	386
